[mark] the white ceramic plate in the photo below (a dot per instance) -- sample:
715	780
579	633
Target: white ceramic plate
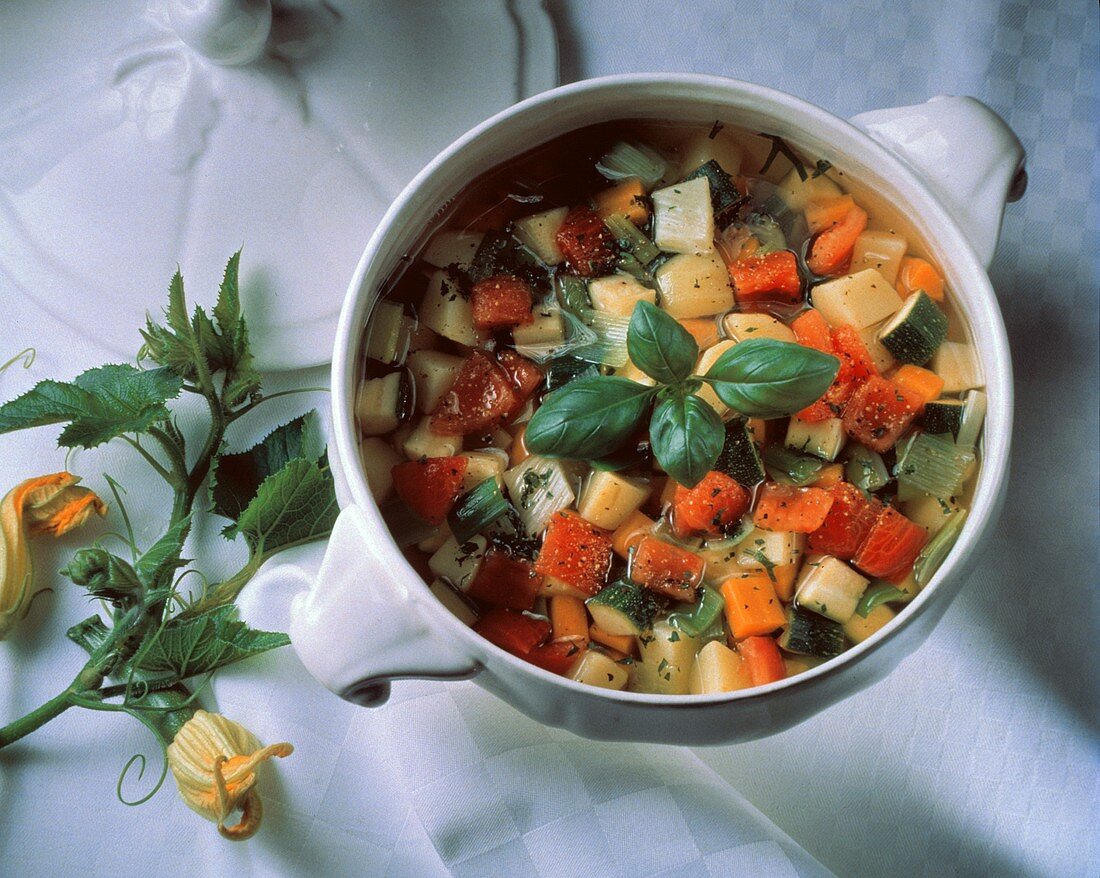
124	153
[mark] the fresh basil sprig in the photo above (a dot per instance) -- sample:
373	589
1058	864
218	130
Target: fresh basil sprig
590	418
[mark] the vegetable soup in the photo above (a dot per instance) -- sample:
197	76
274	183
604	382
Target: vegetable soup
664	408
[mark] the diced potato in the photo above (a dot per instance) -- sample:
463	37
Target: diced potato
387	338
741	327
717	668
378	459
683	218
956	363
931	513
380	404
546	332
882	251
633	373
454	602
420	337
797	192
856	300
723	148
608	499
707	359
829	587
880	356
482	465
857	629
797	664
598	669
618	294
626	198
539	232
445	311
628	534
780	548
450	247
667	655
822	439
433	374
694	286
432	544
422	442
459	564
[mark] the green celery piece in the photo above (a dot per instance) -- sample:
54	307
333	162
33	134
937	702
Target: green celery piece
695	619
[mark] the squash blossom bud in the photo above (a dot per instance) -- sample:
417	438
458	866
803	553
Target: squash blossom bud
44	506
214	761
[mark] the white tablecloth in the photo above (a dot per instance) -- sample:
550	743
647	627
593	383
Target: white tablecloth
978	756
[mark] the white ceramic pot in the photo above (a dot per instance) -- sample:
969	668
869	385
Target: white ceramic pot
949	164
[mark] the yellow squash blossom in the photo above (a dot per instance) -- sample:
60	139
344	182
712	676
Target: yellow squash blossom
214	761
47	505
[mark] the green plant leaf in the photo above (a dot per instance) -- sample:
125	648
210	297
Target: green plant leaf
90	634
295	505
104	575
588	418
659	345
163	556
687	437
765	378
204	642
98	405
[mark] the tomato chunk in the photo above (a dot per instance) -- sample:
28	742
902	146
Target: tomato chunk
587	244
525	376
848	523
505	581
856	366
714	503
786	508
763	660
831	250
499	301
481	397
667	569
575	552
891	546
430	487
879	412
512	631
771	278
557	658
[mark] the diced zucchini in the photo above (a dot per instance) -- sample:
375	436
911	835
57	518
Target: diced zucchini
444	310
450	247
459	563
858	628
694	286
623	609
865	469
740	458
608	498
599	669
882	251
382	403
811	634
796	192
724	197
378	459
482	465
931	513
477	509
701	148
740	327
880	356
791	467
857	300
539	232
913	334
387	339
717	668
454	601
539	487
561	370
683	218
422	442
707	359
943	416
618	294
829	587
957	365
666	659
823	439
972	418
433	373
933	465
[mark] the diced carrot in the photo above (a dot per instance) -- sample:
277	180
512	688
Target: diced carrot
430	487
568	618
848	523
785	575
918	274
825	212
714	503
879	412
589	248
480	398
786	508
769	279
630	533
526	376
667	569
518	453
512	631
623	643
703	329
831	251
505	581
752	606
500	301
891	547
556	657
829	476
627	198
811	330
763	660
920	382
575	552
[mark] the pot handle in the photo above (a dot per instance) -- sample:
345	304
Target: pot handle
966	155
357	628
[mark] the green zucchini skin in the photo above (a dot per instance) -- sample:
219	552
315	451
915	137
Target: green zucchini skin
916	331
810	634
943	416
624	608
740	458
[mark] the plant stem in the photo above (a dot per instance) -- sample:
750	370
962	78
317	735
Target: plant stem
37	718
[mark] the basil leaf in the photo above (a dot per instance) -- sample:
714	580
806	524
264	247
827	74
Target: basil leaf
588	418
687	437
765	378
659	345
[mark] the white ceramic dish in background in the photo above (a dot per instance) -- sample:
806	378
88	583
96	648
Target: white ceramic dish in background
369	618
